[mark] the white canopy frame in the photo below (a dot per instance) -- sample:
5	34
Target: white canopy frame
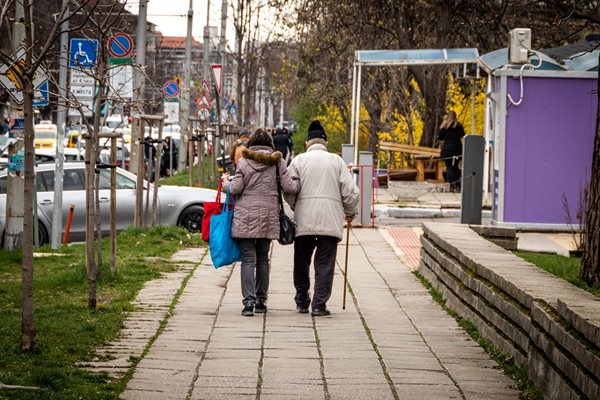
380	58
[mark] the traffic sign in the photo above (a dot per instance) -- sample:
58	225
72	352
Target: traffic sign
217	70
120	45
40	95
171	111
204	88
83	53
11	76
79	77
203	114
203	102
18	127
171	89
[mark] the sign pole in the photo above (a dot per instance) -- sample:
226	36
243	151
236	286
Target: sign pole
61	119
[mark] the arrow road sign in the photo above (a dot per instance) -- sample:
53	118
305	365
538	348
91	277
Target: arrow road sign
82	53
120	45
171	89
217	70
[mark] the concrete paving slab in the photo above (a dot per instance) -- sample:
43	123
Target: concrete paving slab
391	342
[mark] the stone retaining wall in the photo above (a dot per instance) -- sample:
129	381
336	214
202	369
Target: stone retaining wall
546	324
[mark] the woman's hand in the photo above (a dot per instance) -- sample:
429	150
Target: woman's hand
226	177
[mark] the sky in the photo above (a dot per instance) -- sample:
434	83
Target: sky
170	16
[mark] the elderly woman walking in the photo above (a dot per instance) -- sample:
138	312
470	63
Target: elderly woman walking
256	214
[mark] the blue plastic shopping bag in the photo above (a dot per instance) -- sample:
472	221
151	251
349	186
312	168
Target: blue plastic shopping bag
224	250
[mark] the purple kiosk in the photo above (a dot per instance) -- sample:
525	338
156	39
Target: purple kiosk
540	128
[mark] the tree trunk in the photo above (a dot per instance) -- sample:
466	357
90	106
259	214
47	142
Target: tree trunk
433	83
98	227
590	261
28	341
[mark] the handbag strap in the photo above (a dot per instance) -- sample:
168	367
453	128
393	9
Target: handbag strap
218	199
226	205
279	197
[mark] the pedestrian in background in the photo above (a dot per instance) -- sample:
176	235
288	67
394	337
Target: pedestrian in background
282	142
451	133
256	214
328	197
239	145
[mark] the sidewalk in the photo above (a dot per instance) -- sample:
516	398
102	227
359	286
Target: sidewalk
411	203
392	341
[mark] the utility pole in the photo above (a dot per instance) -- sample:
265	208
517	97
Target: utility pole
223	56
137	136
15	191
222	52
206	45
184	94
61	118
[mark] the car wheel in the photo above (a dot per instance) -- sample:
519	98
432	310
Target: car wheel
191	219
42	235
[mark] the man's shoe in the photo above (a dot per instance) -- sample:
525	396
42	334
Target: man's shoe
260	307
302	309
320	312
248	311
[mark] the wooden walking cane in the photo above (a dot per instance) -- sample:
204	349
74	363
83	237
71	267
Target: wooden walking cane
346	263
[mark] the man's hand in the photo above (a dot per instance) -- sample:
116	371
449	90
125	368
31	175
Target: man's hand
350	218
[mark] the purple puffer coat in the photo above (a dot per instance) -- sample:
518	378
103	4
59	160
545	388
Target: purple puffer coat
256	212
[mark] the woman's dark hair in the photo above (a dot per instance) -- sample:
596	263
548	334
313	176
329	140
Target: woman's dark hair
260	137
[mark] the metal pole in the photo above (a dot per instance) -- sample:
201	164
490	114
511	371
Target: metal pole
157	173
473	108
184	112
352	115
206	44
357	115
113	206
61	118
139	186
222	41
137	135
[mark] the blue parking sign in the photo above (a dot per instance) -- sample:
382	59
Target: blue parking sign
82	53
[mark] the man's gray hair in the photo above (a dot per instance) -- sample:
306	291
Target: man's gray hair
316	141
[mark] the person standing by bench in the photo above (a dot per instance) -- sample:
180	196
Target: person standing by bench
451	133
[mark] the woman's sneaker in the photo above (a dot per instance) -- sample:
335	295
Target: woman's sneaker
248	311
260	307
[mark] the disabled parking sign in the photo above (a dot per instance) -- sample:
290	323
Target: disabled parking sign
83	53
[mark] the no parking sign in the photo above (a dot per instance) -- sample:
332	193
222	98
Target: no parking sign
171	89
120	45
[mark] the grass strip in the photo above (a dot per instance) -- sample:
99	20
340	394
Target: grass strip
566	268
67	331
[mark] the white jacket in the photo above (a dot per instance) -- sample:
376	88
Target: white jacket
328	193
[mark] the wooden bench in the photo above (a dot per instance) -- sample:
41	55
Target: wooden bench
422	155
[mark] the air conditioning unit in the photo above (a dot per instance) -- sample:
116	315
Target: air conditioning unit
520	43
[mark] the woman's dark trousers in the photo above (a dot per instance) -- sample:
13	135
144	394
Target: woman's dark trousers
255	270
324	261
452	173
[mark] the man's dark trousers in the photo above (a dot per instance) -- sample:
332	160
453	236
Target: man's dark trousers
324	262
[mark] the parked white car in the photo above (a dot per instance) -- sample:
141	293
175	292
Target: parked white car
177	205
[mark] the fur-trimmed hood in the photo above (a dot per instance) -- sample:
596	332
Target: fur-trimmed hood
260	157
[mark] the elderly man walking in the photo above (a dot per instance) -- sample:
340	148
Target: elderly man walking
328	197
